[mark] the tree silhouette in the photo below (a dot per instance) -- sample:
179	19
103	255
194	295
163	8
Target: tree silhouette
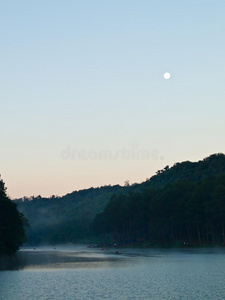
12	233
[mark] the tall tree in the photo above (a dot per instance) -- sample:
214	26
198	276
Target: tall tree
12	233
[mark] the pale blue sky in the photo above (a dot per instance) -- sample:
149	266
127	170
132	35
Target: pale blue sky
80	77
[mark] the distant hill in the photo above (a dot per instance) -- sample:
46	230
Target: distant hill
67	219
64	219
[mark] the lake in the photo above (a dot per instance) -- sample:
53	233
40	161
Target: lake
89	273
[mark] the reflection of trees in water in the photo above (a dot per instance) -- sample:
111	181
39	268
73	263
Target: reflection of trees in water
53	259
12	262
26	259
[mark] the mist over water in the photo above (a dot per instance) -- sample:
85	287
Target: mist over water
82	273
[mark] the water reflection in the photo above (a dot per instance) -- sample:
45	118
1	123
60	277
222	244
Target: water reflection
50	259
191	274
81	257
12	262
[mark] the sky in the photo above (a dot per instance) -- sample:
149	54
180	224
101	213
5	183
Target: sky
83	99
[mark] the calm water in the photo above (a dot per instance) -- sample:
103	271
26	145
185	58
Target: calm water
81	273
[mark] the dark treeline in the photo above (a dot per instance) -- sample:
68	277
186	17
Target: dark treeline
68	218
12	233
182	213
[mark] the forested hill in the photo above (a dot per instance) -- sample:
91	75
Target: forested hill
183	213
68	218
64	219
192	171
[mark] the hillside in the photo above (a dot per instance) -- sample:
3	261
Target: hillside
182	213
68	218
192	171
64	219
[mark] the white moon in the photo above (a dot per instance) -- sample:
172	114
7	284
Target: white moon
166	75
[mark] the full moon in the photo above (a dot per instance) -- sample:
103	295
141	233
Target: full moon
166	75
